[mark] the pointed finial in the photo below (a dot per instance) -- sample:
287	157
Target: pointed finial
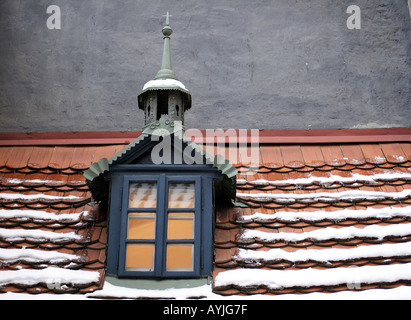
166	71
167	18
167	31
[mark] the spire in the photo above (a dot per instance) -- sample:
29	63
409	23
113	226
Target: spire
166	71
165	96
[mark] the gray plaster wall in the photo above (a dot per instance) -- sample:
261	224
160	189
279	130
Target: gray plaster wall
284	64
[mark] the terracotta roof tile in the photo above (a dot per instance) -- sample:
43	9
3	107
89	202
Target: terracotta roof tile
394	153
353	154
271	157
333	155
19	157
233	153
292	157
34	200
105	152
361	178
311	207
82	158
40	157
406	148
373	154
61	158
4	155
313	156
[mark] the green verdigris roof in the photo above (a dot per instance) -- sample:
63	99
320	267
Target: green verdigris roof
161	127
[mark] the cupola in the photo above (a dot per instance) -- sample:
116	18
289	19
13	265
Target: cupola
165	96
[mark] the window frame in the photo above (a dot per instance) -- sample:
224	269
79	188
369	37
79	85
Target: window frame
125	210
115	176
160	240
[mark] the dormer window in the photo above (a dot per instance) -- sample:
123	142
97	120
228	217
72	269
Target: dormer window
161	216
160	219
161	226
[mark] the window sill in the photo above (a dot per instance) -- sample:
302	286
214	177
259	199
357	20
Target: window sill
153	284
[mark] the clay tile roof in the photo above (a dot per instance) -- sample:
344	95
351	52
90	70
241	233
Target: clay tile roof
322	217
48	230
316	215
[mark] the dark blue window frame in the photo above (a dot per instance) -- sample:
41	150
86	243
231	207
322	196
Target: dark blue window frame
203	177
160	242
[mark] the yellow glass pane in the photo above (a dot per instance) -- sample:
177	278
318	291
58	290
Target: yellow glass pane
141	225
179	257
140	256
180	225
185	215
181	195
142	195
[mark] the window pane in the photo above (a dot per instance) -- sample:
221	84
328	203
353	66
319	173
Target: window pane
140	257
181	195
142	195
180	257
141	225
180	225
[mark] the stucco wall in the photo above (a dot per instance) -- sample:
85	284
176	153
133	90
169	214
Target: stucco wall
248	64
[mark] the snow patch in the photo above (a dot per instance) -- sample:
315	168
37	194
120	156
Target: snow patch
368	213
51	275
15	196
115	292
332	179
398	158
111	291
40	181
17	235
164	83
278	279
327	255
350	195
40	215
10	256
372	231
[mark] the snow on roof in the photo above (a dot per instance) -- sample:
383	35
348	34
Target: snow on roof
349	195
332	179
11	256
277	279
37	236
327	255
329	233
343	223
39	196
339	215
39	215
115	292
318	212
205	292
64	278
164	84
